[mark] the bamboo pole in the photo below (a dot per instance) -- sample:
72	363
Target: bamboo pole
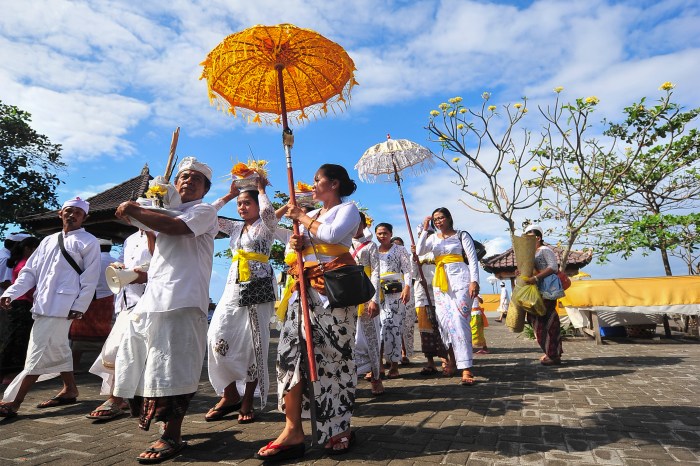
171	156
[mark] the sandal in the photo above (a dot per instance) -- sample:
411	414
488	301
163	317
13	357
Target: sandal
395	375
106	411
547	361
170	450
217	414
57	401
7	412
428	371
377	387
347	440
250	420
368	377
449	372
284	452
467	378
405	361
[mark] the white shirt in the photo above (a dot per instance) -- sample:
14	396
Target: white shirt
181	266
59	288
134	253
5	271
102	290
336	226
459	274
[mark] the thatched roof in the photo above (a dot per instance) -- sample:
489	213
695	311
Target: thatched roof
503	265
101	222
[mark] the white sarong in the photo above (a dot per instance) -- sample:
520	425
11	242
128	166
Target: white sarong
104	364
161	353
48	353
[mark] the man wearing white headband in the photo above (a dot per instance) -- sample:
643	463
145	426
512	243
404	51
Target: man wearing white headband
64	269
170	319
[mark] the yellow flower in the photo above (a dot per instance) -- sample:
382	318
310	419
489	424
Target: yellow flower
593	100
462	110
455	160
486	95
452	113
455	100
443	106
667	86
511	161
492	107
434	113
558	89
534	169
303	187
156	191
475	193
460	126
525	110
518	105
368	220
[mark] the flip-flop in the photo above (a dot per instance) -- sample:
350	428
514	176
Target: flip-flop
347	439
467	380
57	401
428	371
170	450
7	412
284	452
377	387
109	410
250	413
220	412
393	376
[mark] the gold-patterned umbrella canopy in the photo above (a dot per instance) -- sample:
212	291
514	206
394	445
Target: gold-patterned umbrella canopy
242	74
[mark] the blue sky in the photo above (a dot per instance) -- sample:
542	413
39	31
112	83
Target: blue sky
110	81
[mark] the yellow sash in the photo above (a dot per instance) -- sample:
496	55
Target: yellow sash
243	266
322	248
440	278
361	307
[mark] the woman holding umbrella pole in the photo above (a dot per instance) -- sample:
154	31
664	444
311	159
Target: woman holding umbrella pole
455	285
325	236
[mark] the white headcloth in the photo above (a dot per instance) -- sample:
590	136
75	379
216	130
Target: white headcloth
191	163
77	202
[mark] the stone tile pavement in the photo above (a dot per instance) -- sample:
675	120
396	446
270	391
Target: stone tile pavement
630	402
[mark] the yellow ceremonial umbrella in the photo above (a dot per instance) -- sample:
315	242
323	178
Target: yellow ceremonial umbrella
271	73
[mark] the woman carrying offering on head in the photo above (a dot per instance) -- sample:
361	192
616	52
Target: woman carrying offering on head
395	275
239	333
455	286
547	327
325	236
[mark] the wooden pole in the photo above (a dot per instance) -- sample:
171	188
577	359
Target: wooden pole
288	140
171	156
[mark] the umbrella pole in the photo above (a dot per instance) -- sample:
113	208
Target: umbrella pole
288	141
423	281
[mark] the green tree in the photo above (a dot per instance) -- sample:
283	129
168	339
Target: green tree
29	168
652	219
588	174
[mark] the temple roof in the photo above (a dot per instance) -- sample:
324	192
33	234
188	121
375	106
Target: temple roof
504	263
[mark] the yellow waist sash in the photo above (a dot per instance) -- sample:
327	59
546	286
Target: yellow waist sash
440	278
290	258
361	307
243	266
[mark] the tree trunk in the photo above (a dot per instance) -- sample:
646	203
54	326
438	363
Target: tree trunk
664	258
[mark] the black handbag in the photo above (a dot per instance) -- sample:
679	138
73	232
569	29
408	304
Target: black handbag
392	286
256	291
347	286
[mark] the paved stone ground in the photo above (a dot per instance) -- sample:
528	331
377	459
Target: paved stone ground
632	402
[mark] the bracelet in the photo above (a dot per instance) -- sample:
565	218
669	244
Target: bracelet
312	222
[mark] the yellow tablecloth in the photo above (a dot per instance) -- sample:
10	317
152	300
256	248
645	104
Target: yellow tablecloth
656	295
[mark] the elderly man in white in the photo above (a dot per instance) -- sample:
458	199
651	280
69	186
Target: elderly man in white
62	294
159	360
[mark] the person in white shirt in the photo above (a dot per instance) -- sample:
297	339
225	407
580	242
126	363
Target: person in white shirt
136	253
504	302
159	360
90	333
61	296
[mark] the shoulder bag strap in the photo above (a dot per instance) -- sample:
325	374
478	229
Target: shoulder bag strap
66	255
356	251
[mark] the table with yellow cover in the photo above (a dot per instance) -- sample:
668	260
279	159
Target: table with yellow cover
626	301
